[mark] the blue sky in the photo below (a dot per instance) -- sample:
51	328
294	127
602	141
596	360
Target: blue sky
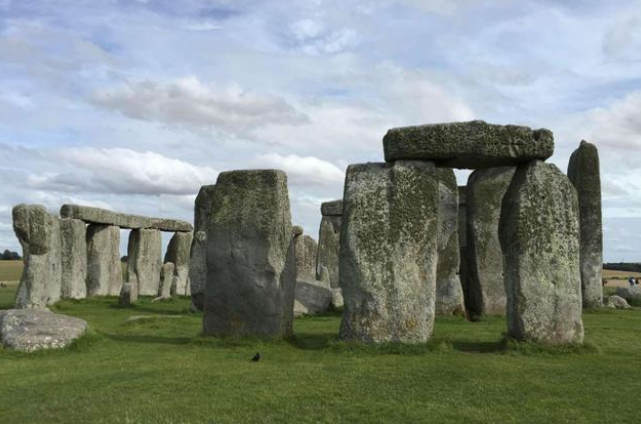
133	105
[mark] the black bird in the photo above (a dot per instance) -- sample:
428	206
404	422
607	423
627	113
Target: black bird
256	357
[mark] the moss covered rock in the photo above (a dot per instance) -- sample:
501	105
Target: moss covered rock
306	253
329	238
539	233
104	272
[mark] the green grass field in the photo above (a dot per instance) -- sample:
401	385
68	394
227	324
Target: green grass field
161	371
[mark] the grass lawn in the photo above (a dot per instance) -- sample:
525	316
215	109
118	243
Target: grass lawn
161	371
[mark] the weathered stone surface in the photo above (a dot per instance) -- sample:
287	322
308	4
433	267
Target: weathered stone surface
306	253
473	144
73	238
104	271
39	235
203	207
616	302
486	289
31	330
179	252
629	293
167	275
312	297
198	269
337	298
333	208
297	230
329	237
102	216
449	294
584	172
462	242
145	259
129	292
539	234
251	263
388	254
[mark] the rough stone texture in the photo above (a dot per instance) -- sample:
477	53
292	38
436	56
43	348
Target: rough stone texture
129	292
31	330
198	269
104	271
473	144
167	275
306	253
462	242
329	237
73	238
388	253
337	298
616	302
449	294
333	208
539	233
145	259
312	297
486	289
297	230
102	216
203	207
584	172
179	252
39	235
251	263
629	293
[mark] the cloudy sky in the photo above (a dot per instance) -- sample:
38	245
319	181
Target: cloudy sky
133	105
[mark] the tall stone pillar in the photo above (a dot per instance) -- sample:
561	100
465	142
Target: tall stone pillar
73	234
178	252
144	250
584	172
329	241
39	235
198	257
306	254
388	255
251	264
486	291
539	233
104	270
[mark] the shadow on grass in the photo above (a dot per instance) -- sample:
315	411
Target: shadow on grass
312	341
140	338
478	347
151	309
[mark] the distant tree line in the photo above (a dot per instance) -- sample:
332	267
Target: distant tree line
8	255
623	266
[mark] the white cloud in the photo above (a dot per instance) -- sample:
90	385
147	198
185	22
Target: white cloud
191	104
303	170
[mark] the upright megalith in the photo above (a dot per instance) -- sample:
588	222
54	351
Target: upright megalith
306	253
388	255
584	172
73	238
104	271
449	294
178	252
145	259
473	144
167	280
539	234
198	269
329	237
39	235
251	261
486	291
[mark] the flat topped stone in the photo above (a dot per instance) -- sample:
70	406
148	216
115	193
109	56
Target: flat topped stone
333	208
28	330
474	144
134	222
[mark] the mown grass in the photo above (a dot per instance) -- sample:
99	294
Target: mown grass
163	371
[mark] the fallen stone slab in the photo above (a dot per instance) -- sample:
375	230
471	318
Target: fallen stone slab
616	302
312	297
539	235
629	293
388	254
474	144
584	172
28	330
103	216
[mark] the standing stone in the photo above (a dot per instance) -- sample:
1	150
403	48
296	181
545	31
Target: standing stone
167	276
539	233
39	235
462	242
178	252
449	294
198	269
104	270
584	172
73	237
329	240
485	191
129	292
306	253
145	259
251	264
388	255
